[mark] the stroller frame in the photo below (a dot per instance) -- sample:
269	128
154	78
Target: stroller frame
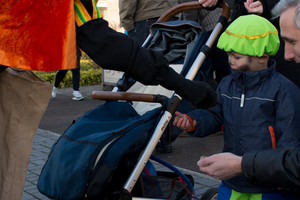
172	103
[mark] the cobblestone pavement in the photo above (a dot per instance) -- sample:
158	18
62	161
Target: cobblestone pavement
42	144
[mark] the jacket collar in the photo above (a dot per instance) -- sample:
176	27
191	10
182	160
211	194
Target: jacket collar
252	79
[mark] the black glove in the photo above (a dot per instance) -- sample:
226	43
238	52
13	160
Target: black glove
199	93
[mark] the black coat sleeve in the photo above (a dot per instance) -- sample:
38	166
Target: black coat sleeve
116	51
280	167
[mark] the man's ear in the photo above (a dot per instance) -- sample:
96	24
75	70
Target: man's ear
263	59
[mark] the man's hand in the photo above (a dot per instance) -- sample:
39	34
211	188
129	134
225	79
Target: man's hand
254	7
221	166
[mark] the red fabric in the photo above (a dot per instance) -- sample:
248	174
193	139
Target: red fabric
273	138
37	34
192	122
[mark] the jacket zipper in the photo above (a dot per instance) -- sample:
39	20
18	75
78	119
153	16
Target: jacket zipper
237	136
243	92
242	99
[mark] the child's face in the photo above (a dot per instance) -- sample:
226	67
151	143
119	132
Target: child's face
242	62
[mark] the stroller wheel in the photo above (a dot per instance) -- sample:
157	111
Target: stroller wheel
210	194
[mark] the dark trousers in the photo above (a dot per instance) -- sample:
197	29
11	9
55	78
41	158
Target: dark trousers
141	30
60	75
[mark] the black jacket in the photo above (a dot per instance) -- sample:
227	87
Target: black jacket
280	167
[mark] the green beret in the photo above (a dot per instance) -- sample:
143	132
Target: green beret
250	35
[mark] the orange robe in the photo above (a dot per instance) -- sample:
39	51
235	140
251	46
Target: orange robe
37	35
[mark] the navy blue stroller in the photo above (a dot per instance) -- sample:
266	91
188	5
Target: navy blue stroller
106	153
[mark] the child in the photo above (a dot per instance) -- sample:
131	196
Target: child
257	107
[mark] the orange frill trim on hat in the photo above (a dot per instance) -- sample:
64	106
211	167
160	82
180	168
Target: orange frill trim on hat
37	35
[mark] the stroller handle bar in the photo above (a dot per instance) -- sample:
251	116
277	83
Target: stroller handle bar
190	6
129	96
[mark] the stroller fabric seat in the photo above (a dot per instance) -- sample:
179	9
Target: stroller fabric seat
92	148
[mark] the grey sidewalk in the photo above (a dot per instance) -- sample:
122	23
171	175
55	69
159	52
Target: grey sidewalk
42	144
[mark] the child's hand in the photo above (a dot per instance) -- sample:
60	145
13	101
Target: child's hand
182	121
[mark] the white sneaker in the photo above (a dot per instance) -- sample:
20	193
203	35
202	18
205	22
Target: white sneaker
54	91
77	96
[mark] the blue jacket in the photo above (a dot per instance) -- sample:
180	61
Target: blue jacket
258	110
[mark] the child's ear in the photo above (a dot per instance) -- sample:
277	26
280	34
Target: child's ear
263	59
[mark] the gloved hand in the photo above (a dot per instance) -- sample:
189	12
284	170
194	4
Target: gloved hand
199	93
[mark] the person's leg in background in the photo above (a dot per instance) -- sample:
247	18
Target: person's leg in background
76	79
59	76
141	30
